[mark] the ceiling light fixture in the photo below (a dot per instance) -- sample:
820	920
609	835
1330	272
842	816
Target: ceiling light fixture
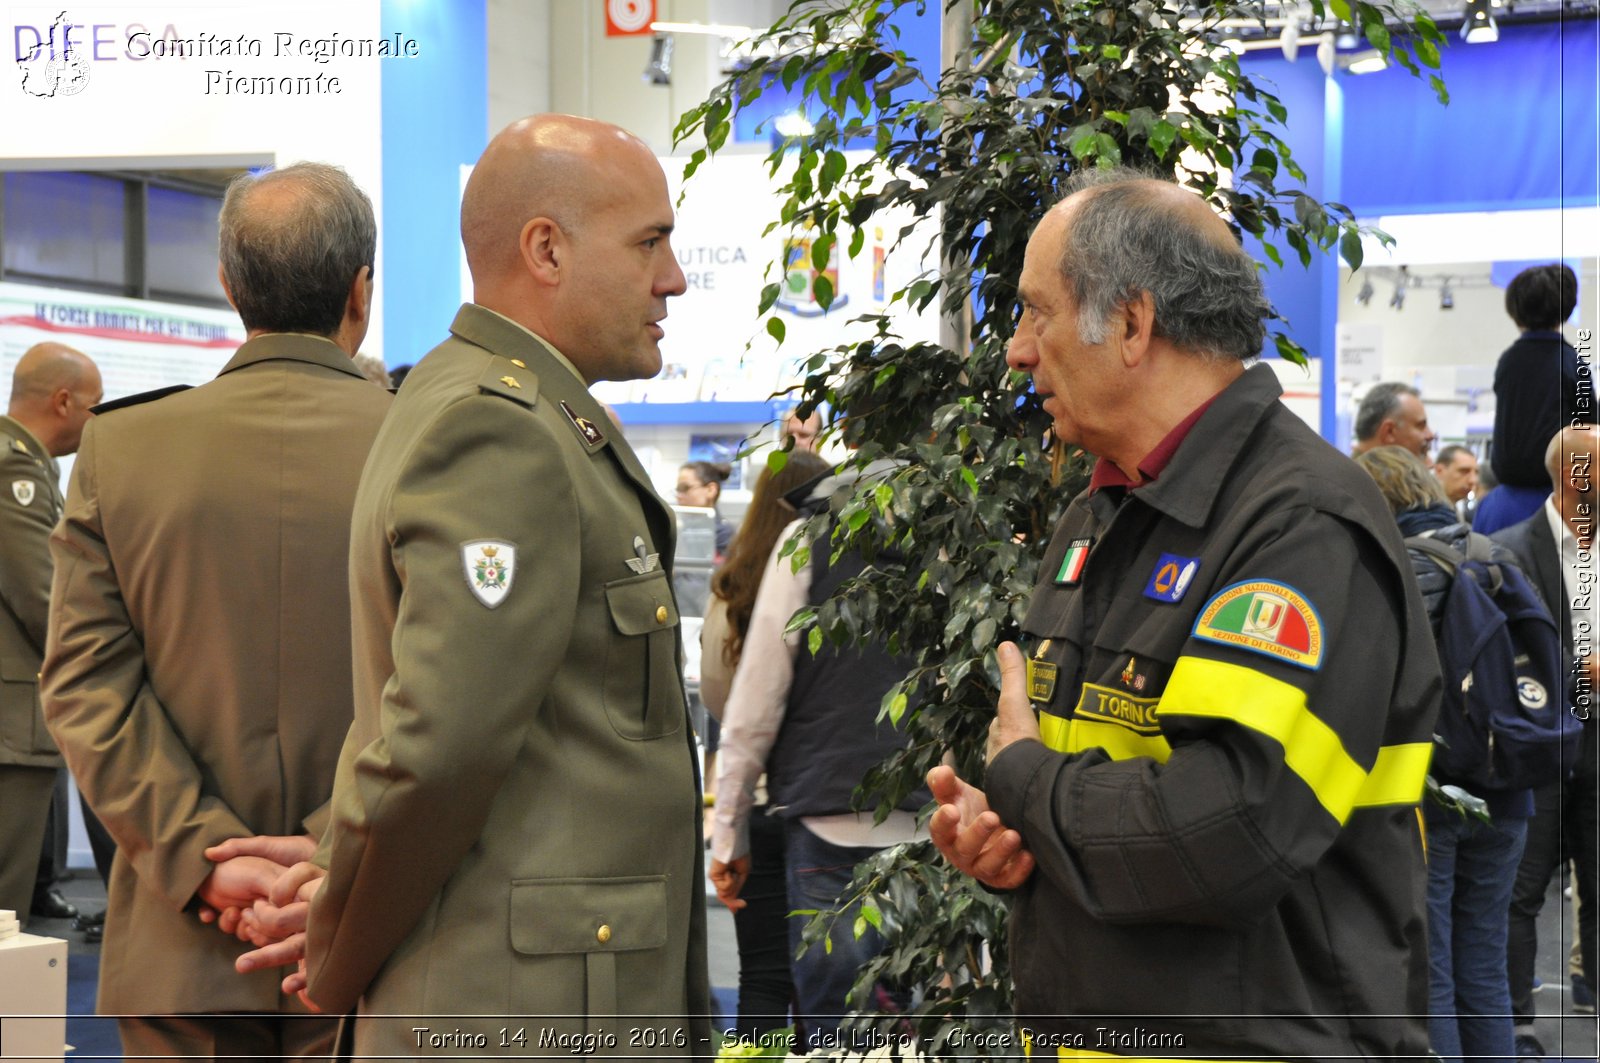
1368	62
1477	24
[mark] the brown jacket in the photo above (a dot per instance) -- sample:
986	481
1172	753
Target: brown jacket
197	676
515	827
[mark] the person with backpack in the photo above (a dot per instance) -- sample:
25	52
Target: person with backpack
1485	618
1556	545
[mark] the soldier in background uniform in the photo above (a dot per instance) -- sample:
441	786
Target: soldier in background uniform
516	823
52	390
197	676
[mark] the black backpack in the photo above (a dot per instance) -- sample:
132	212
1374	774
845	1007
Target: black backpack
1503	724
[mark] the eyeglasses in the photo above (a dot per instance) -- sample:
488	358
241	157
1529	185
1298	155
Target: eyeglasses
685	488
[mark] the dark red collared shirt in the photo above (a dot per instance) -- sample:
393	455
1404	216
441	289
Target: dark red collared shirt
1106	473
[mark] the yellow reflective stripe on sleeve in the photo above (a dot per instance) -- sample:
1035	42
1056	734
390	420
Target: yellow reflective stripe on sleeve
1120	743
1397	776
1311	749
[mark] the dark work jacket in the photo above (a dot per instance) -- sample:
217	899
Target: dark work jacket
1228	855
831	735
1539	385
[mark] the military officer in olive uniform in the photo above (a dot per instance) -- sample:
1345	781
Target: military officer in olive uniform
197	675
52	389
515	841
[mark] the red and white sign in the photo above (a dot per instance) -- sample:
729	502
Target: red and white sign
629	18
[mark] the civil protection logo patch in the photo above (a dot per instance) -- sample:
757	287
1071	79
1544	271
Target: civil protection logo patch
22	491
1264	617
490	565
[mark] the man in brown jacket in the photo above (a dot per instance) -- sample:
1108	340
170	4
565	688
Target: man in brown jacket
197	675
52	389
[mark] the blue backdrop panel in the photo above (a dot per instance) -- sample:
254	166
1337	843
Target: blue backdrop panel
1520	127
435	118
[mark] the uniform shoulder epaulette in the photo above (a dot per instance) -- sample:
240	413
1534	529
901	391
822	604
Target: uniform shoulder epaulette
511	378
138	400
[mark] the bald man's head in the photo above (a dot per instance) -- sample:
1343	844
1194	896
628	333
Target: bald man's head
52	389
1127	233
566	223
554	166
1570	457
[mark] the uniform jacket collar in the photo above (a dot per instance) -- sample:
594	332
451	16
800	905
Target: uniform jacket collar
291	347
557	380
17	430
1188	488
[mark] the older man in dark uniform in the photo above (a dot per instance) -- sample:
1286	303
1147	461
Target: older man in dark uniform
1210	826
53	388
197	676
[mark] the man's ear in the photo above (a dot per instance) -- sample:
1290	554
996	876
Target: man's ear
1134	325
222	279
544	250
358	303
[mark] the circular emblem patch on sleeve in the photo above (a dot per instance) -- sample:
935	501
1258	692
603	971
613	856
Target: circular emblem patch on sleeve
490	565
1265	617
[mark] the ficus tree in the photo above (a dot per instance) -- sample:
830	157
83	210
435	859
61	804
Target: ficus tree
979	150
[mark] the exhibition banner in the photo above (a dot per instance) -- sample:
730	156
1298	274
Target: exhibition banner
139	345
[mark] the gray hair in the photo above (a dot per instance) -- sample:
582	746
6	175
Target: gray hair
291	242
1124	240
1381	403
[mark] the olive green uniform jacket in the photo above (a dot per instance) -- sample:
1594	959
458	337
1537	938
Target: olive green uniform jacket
516	820
197	675
30	505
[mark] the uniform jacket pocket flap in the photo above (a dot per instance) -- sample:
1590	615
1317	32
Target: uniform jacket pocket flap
580	915
17	670
642	604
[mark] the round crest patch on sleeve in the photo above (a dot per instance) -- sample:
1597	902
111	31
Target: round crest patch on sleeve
1265	617
22	491
490	565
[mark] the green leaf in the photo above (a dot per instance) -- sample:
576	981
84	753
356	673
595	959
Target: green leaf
776	460
1116	116
776	328
857	241
1439	90
1162	134
1426	51
983	634
1341	8
1271	251
870	913
1350	248
822	251
822	290
1266	161
792	71
814	640
1106	150
969	478
1376	32
897	709
1111	51
769	298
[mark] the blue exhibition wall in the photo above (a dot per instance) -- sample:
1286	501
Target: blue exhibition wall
1519	132
435	120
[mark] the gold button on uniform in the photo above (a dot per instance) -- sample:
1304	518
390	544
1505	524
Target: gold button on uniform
661	614
519	363
603	935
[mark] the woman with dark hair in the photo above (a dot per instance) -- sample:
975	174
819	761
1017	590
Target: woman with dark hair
700	484
759	913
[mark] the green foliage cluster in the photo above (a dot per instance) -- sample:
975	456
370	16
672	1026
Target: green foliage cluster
980	153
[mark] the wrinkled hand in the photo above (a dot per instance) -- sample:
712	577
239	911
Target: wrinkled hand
233	885
729	879
282	850
971	836
1014	719
279	921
